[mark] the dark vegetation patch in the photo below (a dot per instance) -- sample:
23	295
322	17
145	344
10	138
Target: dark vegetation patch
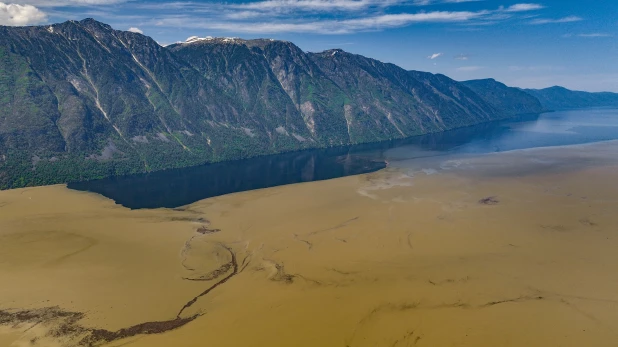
65	324
205	230
490	200
97	336
282	276
213	275
519	299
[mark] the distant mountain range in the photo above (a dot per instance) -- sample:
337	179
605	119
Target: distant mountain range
80	100
558	98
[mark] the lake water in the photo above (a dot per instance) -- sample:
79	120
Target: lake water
174	188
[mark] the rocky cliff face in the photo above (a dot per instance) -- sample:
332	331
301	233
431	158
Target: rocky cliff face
79	100
384	101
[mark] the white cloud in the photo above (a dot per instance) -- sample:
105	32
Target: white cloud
316	5
93	2
401	19
290	16
524	7
135	30
331	26
568	19
593	35
462	57
434	2
469	68
61	3
434	56
14	14
589	36
536	68
245	14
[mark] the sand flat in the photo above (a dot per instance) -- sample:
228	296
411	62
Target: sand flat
386	259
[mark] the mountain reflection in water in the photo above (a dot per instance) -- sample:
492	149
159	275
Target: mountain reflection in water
174	188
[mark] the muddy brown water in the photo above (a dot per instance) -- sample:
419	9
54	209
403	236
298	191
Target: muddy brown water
477	254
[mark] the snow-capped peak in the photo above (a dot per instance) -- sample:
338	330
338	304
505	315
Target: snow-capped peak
197	38
194	39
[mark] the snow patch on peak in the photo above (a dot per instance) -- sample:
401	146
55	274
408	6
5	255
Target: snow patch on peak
332	52
50	29
193	39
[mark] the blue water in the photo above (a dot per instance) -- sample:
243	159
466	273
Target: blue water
545	130
174	188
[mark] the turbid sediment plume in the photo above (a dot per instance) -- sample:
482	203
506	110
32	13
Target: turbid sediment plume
468	257
66	325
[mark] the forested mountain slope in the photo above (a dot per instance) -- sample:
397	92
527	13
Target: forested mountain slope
508	99
80	100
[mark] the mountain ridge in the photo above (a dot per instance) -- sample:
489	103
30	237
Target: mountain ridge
80	100
514	101
560	98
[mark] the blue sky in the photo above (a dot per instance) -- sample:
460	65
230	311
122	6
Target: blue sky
533	44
